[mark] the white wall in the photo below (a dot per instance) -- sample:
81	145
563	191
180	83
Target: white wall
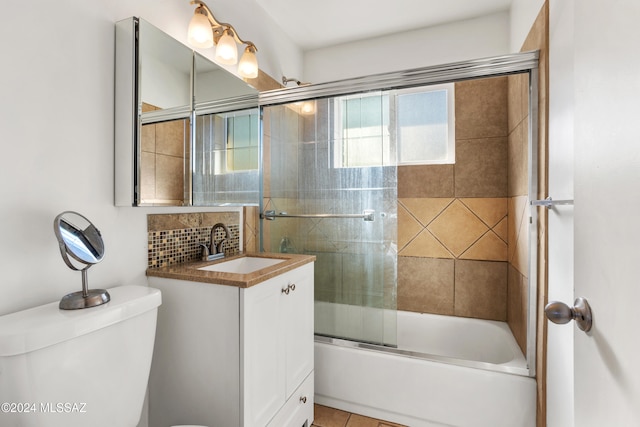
458	41
522	15
56	121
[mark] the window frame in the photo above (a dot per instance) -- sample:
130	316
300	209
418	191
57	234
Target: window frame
451	124
392	145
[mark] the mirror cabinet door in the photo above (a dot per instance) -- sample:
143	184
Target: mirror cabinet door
226	158
164	162
215	87
164	70
161	86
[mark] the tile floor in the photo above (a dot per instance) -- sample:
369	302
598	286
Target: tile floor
330	417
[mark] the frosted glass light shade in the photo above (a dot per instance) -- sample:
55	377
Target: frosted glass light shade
200	33
226	49
248	66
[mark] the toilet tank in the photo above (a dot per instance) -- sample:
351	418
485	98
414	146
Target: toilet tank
78	368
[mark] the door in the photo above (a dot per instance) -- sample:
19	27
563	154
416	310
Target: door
297	323
606	139
263	365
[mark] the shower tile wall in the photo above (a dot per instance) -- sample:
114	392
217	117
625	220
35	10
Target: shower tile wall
460	227
163	156
453	223
518	281
250	231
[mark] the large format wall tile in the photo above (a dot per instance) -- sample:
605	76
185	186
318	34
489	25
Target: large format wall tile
425	285
480	169
518	164
425	181
481	289
517	302
481	108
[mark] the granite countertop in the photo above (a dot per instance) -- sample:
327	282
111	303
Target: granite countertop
189	271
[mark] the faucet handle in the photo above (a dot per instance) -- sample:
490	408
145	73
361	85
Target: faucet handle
220	247
204	251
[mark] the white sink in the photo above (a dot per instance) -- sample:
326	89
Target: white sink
244	265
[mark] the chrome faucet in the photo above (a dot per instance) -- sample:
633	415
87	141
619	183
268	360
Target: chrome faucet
215	250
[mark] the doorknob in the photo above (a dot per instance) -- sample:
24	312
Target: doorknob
561	313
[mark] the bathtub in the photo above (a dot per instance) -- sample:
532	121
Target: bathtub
445	371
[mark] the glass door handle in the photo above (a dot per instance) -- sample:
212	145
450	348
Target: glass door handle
550	203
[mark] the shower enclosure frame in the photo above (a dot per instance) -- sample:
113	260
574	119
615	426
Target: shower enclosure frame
525	62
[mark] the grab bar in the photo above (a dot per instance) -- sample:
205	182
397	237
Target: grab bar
367	215
549	202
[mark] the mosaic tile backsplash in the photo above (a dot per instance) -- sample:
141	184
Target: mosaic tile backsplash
176	238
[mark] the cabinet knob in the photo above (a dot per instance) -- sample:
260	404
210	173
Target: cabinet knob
303	399
289	288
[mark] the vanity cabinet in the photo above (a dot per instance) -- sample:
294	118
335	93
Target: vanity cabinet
277	329
228	356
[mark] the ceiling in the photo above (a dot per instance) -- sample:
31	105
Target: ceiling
314	24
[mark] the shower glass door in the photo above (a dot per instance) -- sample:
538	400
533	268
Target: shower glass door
323	160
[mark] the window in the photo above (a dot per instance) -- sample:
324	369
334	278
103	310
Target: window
426	125
413	126
242	148
361	136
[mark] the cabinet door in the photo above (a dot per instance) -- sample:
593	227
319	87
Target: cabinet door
298	326
298	411
263	374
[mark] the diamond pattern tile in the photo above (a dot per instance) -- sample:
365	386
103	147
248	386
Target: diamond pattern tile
408	227
457	228
425	209
516	215
489	210
467	237
520	258
426	246
502	229
488	248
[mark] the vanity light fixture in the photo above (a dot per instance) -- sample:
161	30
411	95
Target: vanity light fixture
205	31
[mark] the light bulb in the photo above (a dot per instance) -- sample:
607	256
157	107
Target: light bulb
308	107
200	33
248	66
226	49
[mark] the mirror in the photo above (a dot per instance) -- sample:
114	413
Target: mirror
214	84
164	70
162	88
80	241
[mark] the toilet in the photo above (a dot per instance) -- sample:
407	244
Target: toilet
78	368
